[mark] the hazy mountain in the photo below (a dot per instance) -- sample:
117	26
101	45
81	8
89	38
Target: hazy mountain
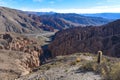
88	39
40	13
53	22
84	20
12	20
105	15
61	21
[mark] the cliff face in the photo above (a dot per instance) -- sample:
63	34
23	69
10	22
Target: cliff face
88	39
18	56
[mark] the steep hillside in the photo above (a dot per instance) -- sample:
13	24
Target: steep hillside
53	22
88	39
16	21
63	21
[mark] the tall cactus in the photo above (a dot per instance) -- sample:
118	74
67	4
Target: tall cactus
99	57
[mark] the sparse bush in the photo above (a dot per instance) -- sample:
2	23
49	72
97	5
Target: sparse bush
109	70
86	54
73	63
45	67
78	59
114	73
42	78
66	70
89	66
78	54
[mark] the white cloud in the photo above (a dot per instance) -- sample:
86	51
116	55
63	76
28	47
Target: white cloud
98	9
6	2
2	2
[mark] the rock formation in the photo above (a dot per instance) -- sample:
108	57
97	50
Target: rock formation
21	51
88	39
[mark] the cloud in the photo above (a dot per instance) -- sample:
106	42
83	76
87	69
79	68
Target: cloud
6	2
97	9
2	2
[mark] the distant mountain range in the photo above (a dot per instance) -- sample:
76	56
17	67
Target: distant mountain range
12	20
40	13
62	21
105	15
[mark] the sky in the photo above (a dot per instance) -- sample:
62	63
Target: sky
64	6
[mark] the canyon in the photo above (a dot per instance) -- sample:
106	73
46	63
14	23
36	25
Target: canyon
30	42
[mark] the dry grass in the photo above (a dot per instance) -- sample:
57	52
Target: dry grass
114	73
109	70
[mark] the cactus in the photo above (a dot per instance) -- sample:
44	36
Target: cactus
99	57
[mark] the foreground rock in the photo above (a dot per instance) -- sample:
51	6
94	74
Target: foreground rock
18	56
63	68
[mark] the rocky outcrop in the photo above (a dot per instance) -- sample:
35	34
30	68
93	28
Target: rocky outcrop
88	39
20	51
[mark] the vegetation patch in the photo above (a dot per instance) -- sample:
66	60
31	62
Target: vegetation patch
108	69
